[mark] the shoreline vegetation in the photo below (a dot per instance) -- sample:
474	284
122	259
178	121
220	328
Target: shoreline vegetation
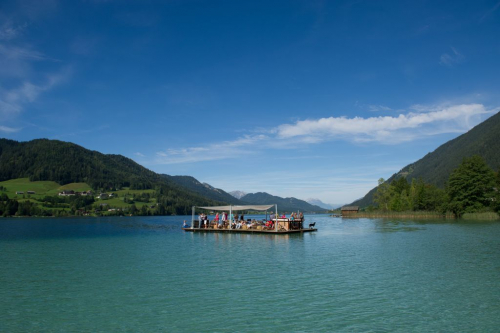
471	192
483	216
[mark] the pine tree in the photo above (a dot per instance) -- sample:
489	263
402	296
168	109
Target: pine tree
470	186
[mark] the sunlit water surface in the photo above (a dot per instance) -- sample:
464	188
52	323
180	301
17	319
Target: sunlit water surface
143	274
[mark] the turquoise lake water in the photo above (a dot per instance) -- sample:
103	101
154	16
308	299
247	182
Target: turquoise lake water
144	274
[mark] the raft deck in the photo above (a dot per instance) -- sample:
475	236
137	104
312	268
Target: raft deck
251	231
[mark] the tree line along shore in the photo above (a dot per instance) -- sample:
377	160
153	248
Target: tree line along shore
471	192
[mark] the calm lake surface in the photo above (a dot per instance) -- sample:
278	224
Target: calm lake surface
141	274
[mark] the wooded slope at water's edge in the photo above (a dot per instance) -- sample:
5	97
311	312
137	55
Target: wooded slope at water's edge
436	167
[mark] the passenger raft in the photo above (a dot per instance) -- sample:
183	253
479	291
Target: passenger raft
270	225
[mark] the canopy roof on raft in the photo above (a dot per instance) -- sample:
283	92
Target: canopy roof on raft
239	207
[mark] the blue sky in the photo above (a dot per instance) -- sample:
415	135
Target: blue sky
310	99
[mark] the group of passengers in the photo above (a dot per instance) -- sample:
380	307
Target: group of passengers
238	221
220	219
294	216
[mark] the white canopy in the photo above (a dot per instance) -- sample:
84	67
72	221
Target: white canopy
239	207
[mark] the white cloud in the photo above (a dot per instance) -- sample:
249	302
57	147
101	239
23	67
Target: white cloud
13	100
23	83
215	151
404	127
420	122
453	59
7	129
139	154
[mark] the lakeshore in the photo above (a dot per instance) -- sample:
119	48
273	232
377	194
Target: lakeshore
485	216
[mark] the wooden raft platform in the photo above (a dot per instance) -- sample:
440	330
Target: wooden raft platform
250	231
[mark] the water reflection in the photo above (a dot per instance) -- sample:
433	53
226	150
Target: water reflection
396	225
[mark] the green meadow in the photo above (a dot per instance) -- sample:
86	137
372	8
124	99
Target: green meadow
50	188
41	188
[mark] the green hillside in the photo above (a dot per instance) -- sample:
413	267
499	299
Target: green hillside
43	161
18	189
284	204
65	162
24	185
41	188
436	167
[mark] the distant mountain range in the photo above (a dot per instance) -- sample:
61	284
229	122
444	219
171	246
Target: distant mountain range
284	204
261	198
436	167
317	202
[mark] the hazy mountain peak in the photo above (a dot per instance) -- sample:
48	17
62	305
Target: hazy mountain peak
238	194
318	202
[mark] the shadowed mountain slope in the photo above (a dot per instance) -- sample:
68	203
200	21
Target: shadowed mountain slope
284	204
203	189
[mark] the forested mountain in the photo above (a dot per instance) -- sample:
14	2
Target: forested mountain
436	167
203	189
284	204
65	162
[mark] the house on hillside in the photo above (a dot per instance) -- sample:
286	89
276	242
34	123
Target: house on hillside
349	211
87	193
103	196
19	192
67	193
31	192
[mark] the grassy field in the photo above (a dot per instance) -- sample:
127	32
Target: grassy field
50	188
125	191
118	201
41	188
77	187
